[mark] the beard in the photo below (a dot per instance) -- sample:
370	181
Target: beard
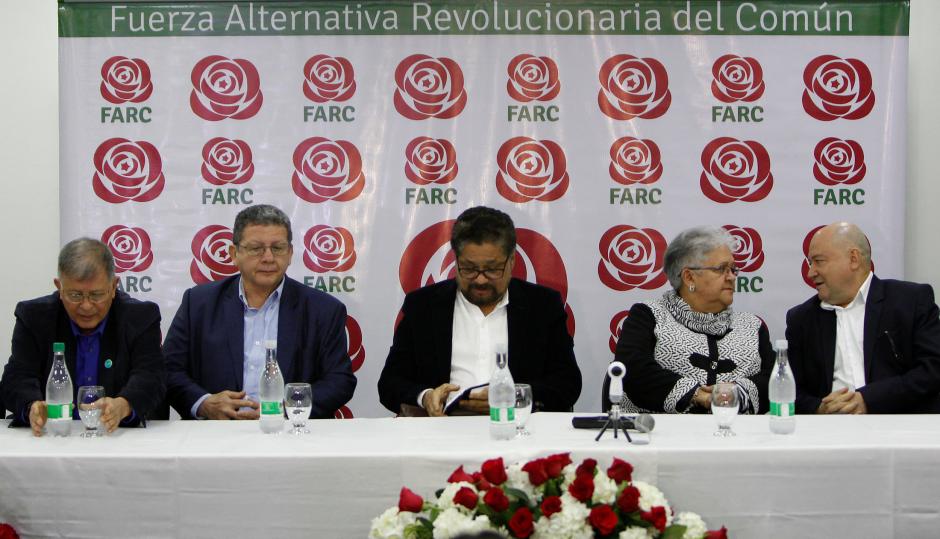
481	294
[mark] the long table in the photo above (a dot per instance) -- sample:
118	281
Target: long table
853	476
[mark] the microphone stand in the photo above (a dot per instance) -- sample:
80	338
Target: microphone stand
614	422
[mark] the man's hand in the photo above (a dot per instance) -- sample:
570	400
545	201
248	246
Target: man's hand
843	401
113	410
37	416
478	402
703	397
226	405
434	399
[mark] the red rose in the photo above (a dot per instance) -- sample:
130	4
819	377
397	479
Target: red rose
536	471
480	482
494	471
582	488
837	88
327	169
466	497
655	516
354	348
227	161
328	248
211	258
429	88
521	522
717	534
748	249
328	78
531	169
125	80
409	501
532	78
737	78
603	519
459	475
633	87
635	161
735	170
7	532
616	324
629	500
587	467
130	247
496	499
429	160
127	170
225	88
554	464
632	258
838	162
550	505
620	470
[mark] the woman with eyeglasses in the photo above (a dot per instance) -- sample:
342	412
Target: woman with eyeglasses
677	347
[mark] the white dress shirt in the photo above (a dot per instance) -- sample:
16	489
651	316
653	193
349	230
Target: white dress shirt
849	367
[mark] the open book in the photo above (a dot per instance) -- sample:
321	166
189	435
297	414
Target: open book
456	397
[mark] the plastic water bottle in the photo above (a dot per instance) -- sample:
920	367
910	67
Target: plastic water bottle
59	394
782	390
271	391
502	397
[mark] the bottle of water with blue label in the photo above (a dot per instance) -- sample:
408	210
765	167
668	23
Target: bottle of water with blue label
782	393
59	394
502	397
271	391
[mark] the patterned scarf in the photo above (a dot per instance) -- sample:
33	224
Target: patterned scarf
717	324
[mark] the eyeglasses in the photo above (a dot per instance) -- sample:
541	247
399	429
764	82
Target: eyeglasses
720	270
471	273
77	298
278	249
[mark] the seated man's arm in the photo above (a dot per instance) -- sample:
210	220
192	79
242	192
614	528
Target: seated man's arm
21	383
182	391
798	356
335	382
146	383
398	382
560	385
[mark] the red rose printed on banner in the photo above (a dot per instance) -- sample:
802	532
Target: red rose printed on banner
635	161
355	349
837	88
737	78
328	248
804	269
130	247
429	88
616	324
211	259
343	413
532	78
633	87
430	161
838	162
531	169
631	258
329	78
325	170
748	250
735	170
227	161
225	88
127	170
125	80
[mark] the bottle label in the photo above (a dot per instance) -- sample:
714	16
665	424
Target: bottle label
502	415
782	409
271	408
59	411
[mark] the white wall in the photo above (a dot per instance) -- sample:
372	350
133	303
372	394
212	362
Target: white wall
29	152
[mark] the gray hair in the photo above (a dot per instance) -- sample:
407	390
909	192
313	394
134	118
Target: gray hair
260	214
81	258
691	247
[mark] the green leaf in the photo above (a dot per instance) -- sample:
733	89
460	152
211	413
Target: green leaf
675	531
518	494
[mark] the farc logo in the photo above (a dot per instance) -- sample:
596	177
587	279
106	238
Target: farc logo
325	170
616	325
531	169
225	88
429	88
635	161
127	170
227	161
532	78
356	351
125	80
130	247
328	248
748	250
631	258
211	259
633	87
430	161
737	78
328	78
735	170
837	88
838	162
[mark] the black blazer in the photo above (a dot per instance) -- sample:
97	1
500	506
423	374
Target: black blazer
541	352
131	339
901	348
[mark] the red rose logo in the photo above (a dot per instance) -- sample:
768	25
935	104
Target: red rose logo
225	88
429	160
616	324
211	260
343	413
531	169
635	161
748	248
737	78
328	248
127	170
804	270
429	88
632	258
227	161
533	78
328	78
736	170
838	162
355	350
633	87
837	88
325	169
130	247
125	80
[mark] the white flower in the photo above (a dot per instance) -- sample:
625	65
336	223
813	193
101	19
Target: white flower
519	479
452	522
636	532
605	490
694	525
570	523
446	500
650	497
391	524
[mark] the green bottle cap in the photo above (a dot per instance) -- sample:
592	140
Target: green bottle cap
58	347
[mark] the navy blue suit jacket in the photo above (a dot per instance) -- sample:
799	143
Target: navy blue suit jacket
204	348
901	349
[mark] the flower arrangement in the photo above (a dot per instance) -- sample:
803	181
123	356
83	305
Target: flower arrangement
544	498
7	532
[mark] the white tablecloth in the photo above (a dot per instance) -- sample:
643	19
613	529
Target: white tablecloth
858	476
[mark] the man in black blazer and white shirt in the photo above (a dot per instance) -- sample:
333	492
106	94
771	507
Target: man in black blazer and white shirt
862	344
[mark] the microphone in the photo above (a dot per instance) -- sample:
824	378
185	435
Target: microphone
644	423
616	370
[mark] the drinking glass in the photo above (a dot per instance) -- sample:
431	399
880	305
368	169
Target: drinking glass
89	409
298	400
523	408
725	407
